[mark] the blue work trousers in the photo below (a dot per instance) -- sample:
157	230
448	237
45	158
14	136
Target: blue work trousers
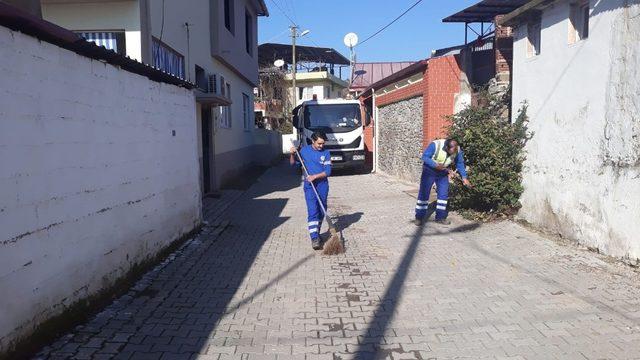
314	212
441	180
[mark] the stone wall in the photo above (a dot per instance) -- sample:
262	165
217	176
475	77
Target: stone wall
400	142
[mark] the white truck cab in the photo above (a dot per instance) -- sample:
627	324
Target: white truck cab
342	121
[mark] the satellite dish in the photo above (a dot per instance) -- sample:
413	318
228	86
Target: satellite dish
351	40
278	63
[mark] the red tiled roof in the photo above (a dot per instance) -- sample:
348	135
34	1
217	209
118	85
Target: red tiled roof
366	74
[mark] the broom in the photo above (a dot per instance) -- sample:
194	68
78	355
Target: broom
334	244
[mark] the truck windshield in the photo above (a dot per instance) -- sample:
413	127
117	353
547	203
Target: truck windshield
332	117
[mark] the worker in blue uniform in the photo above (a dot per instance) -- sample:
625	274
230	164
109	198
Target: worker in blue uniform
437	159
318	163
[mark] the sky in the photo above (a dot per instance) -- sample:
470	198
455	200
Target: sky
410	38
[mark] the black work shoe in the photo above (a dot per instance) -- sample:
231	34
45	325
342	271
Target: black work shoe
315	244
443	221
418	222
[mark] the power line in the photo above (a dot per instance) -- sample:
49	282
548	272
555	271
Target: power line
389	24
277	36
293	9
284	13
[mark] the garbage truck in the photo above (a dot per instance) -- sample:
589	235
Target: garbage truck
343	122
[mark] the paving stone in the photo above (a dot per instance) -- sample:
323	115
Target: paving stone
250	286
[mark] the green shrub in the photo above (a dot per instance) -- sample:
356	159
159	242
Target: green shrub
494	154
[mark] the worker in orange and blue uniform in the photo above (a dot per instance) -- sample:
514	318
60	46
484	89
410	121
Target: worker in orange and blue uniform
318	163
437	159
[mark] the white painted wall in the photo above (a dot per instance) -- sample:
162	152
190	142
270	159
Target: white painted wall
174	34
92	180
120	15
317	88
582	176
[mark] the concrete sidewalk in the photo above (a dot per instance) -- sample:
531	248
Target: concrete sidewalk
256	290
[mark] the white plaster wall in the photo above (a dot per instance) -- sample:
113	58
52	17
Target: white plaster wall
236	138
318	88
92	180
198	15
120	15
582	176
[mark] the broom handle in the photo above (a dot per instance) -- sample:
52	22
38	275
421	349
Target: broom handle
324	211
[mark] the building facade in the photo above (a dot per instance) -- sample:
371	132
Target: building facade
212	43
575	64
320	85
410	110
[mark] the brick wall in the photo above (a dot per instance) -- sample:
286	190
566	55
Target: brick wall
503	51
442	84
368	145
438	92
409	91
93	178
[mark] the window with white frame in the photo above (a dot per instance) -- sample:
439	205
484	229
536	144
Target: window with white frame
305	92
533	37
224	117
578	21
246	111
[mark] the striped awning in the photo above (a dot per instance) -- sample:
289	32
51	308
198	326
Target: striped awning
105	39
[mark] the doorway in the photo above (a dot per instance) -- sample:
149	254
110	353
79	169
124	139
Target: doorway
208	152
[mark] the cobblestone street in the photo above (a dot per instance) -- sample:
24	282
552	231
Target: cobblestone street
250	287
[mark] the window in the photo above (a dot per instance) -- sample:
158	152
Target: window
305	92
228	15
201	79
332	118
111	40
248	31
167	59
225	117
533	38
246	111
578	21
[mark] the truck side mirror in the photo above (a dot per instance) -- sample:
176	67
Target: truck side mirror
295	122
295	118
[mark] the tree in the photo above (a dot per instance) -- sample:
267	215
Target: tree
494	149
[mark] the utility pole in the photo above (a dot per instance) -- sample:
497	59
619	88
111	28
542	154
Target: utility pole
294	35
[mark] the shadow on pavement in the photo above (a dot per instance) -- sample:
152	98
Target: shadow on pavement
342	222
383	315
272	282
388	303
191	297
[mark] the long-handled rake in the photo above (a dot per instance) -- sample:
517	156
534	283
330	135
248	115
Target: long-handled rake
334	245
